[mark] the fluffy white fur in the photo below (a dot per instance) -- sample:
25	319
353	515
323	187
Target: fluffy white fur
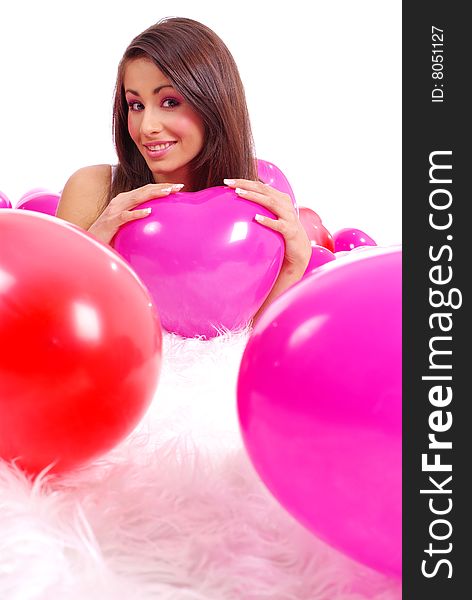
175	512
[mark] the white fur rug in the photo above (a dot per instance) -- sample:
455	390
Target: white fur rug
175	512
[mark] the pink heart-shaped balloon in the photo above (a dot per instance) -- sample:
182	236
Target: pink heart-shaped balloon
4	201
44	202
207	263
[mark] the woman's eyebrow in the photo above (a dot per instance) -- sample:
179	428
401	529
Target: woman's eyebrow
155	91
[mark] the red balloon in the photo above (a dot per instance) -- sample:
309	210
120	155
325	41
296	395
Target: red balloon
315	229
81	341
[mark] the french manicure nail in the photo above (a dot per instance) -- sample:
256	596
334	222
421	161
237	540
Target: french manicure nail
259	218
240	191
178	186
148	210
167	189
229	181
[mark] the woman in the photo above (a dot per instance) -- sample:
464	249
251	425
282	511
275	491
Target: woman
180	122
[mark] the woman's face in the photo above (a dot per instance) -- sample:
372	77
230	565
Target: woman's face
165	128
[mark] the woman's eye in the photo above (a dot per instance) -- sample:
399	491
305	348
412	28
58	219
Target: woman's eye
135	105
170	103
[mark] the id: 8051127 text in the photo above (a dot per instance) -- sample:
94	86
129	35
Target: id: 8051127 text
437	64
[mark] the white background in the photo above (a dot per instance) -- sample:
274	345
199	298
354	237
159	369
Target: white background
322	79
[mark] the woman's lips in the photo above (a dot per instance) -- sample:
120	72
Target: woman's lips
158	150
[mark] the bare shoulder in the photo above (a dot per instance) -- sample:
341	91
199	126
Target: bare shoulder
84	194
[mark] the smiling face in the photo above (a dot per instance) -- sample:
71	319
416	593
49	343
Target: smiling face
165	128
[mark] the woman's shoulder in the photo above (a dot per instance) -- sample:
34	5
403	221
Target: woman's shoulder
84	194
92	174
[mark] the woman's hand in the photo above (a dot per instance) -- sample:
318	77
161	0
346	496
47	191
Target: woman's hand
297	245
119	210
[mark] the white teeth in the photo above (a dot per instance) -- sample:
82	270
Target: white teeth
159	147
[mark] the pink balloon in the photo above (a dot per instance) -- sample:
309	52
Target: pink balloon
319	401
341	253
43	202
207	263
359	249
32	192
355	253
4	201
273	176
347	239
319	256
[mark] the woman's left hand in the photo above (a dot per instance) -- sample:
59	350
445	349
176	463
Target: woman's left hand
297	244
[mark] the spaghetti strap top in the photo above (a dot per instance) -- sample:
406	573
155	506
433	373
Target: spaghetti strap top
113	171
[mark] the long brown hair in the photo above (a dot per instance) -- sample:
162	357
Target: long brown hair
202	69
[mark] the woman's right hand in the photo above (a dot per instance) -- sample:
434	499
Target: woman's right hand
119	210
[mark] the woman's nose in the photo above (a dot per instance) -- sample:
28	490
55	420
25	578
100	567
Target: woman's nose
151	123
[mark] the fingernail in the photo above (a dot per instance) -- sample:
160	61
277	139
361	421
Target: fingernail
167	189
240	191
148	210
178	186
259	218
229	181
